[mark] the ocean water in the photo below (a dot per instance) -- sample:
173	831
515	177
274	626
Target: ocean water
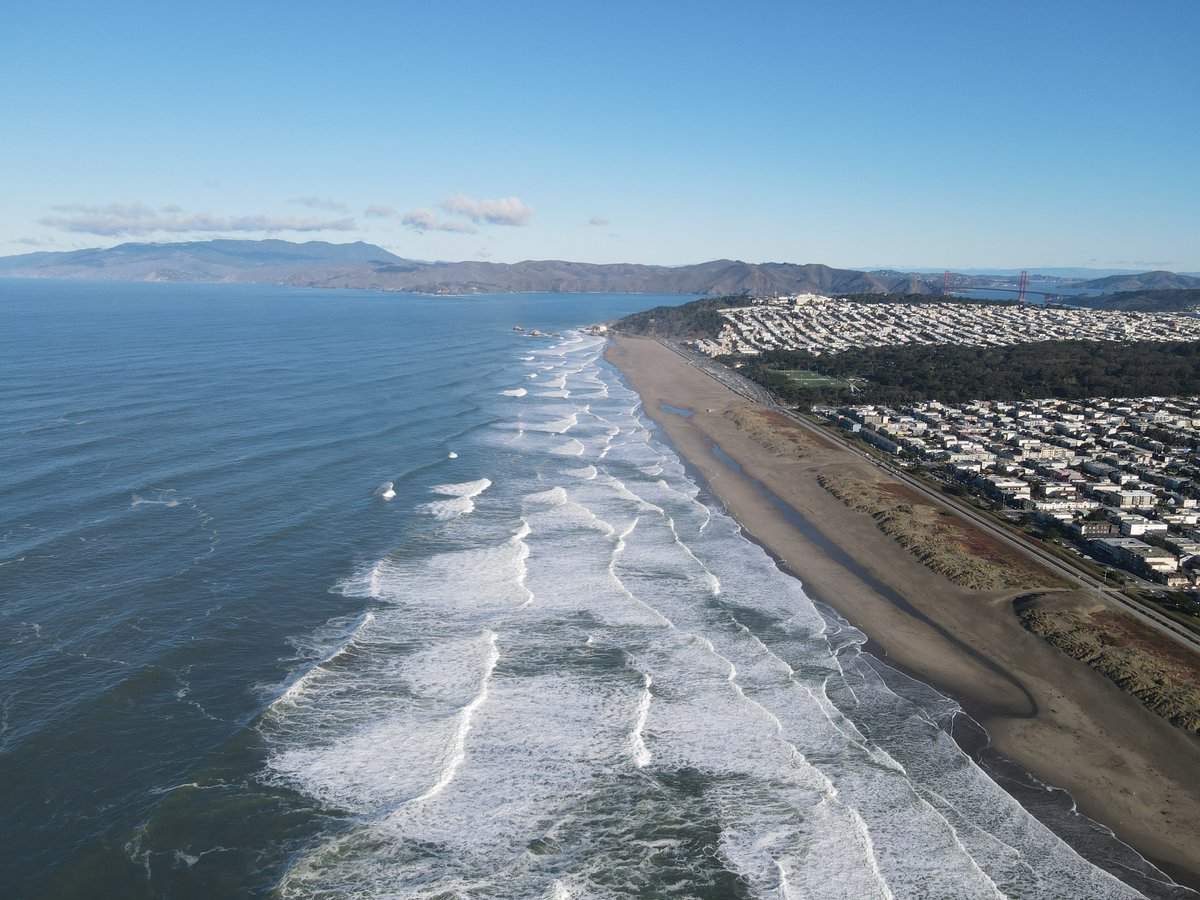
346	594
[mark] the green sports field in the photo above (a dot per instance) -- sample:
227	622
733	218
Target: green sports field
806	378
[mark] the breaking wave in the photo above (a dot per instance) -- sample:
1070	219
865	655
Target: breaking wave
597	686
462	499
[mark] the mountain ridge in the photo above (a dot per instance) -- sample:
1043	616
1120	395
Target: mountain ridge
363	265
1144	281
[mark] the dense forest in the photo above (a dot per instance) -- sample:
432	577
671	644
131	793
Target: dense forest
956	374
698	319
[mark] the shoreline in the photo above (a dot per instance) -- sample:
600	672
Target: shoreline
1054	717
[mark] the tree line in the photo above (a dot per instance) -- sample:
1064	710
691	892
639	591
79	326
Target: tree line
697	319
1064	370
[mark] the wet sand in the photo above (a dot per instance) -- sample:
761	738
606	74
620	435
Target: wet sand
1125	766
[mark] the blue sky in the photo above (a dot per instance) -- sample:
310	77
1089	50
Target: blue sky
855	134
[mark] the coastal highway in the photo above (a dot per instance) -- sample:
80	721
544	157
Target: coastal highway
751	391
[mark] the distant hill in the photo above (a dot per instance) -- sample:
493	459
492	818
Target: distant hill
1143	281
222	260
698	319
1144	301
360	265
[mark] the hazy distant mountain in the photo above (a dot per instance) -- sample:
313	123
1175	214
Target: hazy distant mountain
1144	281
1162	300
360	265
1064	273
225	260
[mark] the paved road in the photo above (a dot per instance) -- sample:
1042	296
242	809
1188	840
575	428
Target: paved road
752	391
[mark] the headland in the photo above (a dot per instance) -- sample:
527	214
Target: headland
866	544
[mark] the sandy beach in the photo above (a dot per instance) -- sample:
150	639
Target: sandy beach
1126	767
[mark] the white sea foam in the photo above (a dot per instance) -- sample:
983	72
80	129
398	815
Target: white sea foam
560	425
385	491
516	392
641	754
448	509
167	502
597	686
573	447
613	563
374	758
462	499
455	752
555	496
456	584
463	489
297	686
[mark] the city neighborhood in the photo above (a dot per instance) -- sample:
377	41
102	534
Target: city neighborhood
1115	475
1116	478
823	325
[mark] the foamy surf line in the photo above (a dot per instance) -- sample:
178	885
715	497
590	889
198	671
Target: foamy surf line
602	666
462	498
1104	851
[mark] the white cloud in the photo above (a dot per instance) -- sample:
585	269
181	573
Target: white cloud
505	211
375	211
139	220
423	220
597	220
466	213
322	205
